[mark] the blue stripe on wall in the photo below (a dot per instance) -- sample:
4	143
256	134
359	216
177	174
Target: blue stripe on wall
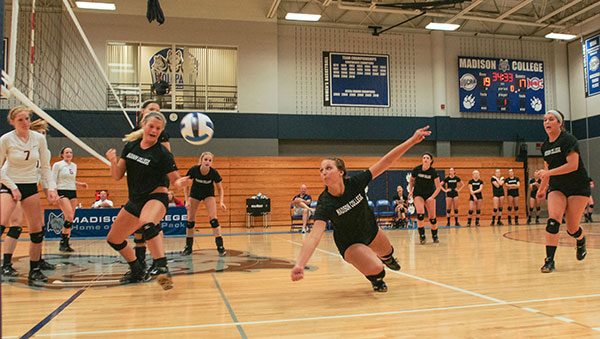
318	127
580	128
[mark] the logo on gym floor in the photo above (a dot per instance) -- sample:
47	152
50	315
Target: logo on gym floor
77	271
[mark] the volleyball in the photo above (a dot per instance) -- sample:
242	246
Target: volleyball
196	128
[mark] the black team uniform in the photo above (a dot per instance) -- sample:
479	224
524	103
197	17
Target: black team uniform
353	221
451	184
573	183
202	188
535	185
497	192
513	193
476	184
147	170
425	187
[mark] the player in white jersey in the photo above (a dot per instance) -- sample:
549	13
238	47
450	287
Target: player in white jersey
64	173
26	154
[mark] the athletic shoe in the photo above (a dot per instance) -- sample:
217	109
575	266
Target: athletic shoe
548	265
500	223
468	224
130	278
477	223
510	222
221	251
422	239
537	220
164	278
379	286
391	263
36	276
44	265
590	216
581	250
435	239
528	220
187	251
65	247
9	271
457	224
492	224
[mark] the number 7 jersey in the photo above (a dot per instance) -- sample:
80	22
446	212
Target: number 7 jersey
25	160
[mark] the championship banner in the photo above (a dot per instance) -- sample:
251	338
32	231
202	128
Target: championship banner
356	79
501	85
591	59
96	222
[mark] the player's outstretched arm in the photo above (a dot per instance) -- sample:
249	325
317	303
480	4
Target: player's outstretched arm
386	161
308	247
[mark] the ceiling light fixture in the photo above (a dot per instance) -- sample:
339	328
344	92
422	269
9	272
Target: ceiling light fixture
442	27
96	5
560	36
302	17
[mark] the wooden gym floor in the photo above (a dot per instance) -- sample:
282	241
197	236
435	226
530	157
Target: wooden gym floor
477	283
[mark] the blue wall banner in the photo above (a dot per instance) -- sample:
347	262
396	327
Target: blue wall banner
96	222
591	61
356	79
501	85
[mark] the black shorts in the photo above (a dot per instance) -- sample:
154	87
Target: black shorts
512	193
69	194
135	206
452	194
569	191
198	195
367	239
478	195
424	195
533	194
26	190
498	194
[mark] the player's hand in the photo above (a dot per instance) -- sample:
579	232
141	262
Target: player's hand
52	197
420	134
223	207
183	182
540	194
297	273
16	194
543	174
111	155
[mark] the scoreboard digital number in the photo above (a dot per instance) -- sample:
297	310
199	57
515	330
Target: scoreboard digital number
501	85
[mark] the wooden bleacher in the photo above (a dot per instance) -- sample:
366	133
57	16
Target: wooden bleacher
279	178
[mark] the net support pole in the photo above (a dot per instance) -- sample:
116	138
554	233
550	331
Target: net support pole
32	45
13	38
91	50
27	102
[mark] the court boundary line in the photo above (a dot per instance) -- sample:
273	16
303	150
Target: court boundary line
345	316
229	308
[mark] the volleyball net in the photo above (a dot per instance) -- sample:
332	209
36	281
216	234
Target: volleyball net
51	64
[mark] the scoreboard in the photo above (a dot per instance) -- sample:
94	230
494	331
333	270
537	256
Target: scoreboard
501	85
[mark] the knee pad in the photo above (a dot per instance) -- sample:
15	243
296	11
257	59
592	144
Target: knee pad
36	238
214	223
151	230
509	208
478	211
455	211
14	232
553	226
538	208
447	211
577	234
470	212
421	216
433	221
118	247
139	231
495	210
68	224
591	205
139	241
2	228
530	209
516	208
190	224
500	209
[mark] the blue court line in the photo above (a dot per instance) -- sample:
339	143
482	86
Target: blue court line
51	316
231	313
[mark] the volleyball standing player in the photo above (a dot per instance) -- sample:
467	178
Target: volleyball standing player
138	238
150	167
534	202
475	198
356	234
512	184
590	208
64	173
203	189
425	186
27	156
451	188
568	186
498	196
